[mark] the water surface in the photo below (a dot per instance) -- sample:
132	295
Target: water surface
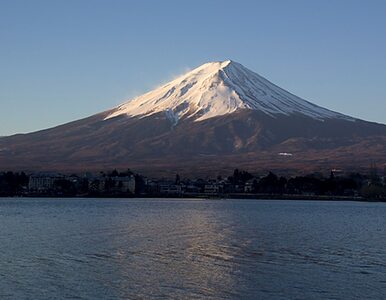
191	249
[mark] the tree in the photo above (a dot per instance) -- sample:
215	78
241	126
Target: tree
240	177
178	179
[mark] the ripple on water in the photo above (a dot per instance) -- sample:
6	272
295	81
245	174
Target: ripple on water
135	249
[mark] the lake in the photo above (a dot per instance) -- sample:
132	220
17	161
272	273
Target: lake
191	249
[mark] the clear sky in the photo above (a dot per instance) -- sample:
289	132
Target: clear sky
61	60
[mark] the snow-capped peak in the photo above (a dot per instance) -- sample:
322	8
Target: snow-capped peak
219	88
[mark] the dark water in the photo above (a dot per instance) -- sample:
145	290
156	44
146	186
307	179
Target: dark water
181	249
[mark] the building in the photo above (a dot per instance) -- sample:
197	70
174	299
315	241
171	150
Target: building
213	188
96	184
191	189
170	189
43	182
124	184
249	185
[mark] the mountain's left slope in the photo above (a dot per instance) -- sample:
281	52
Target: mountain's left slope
214	118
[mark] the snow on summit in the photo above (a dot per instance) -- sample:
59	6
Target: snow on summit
216	89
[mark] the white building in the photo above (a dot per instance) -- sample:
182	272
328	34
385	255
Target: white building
212	188
43	182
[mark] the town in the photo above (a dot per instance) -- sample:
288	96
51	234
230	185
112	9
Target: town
241	184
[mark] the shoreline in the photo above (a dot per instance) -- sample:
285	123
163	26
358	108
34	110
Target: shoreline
273	197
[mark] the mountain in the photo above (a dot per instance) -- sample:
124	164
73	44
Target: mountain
216	89
214	118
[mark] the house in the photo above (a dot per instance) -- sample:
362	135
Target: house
124	184
213	188
43	182
170	189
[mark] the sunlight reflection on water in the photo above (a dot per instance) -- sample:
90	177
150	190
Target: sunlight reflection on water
181	249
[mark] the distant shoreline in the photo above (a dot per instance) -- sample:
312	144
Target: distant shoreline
212	197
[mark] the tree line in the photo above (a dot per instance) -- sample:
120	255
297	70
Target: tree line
370	186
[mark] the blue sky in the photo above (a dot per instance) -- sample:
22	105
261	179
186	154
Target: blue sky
68	59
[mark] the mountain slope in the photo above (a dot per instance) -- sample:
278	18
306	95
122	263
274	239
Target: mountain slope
210	120
220	88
